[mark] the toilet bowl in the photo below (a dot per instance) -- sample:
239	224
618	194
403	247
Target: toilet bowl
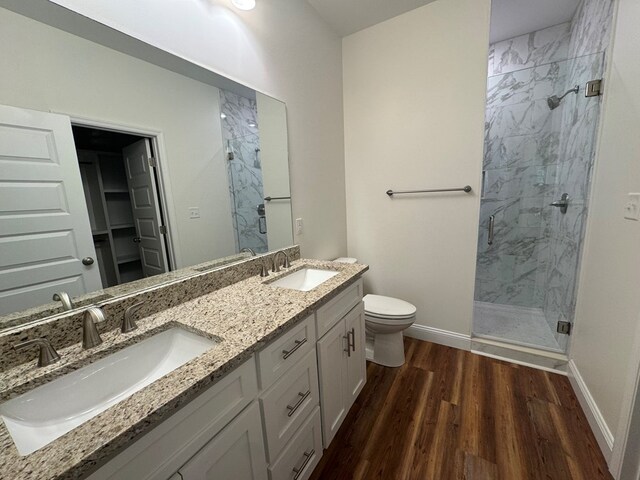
385	319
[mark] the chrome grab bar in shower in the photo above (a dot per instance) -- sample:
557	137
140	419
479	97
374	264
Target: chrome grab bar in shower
466	189
492	221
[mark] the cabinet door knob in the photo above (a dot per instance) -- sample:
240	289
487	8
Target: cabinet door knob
87	261
137	239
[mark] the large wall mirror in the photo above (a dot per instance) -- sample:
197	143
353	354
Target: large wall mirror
115	170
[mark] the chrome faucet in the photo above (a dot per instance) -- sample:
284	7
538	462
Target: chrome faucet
48	354
90	336
285	264
63	297
248	250
128	323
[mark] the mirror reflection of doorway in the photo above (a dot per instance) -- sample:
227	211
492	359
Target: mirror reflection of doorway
125	214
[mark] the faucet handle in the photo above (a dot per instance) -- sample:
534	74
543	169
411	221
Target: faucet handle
48	354
264	272
128	323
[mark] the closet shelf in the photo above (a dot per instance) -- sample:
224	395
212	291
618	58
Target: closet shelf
128	258
112	191
121	226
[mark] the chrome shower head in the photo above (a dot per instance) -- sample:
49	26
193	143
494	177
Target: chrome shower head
554	101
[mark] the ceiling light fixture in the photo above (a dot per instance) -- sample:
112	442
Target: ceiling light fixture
244	4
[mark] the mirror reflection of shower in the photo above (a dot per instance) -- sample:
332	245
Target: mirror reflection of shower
240	130
554	101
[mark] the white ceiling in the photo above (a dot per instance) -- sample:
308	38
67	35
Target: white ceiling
509	18
349	16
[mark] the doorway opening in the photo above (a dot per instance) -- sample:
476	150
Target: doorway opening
125	209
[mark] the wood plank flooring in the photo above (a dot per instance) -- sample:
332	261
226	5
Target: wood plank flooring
450	414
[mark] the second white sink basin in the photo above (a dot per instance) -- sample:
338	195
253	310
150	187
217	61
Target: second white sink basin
43	414
305	279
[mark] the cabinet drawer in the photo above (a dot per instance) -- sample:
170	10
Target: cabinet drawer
287	404
164	449
285	351
302	453
331	312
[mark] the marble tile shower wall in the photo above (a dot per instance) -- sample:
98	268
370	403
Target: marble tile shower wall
533	155
590	34
522	139
241	136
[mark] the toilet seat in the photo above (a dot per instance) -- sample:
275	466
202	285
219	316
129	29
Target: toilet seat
387	309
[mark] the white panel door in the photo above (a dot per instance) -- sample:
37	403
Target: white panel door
146	211
236	453
357	361
332	355
44	223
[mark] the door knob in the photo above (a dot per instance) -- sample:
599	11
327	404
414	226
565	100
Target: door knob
137	239
87	261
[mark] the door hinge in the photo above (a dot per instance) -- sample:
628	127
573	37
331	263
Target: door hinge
564	327
594	88
152	162
163	229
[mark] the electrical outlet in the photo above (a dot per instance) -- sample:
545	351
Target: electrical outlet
194	212
298	226
632	207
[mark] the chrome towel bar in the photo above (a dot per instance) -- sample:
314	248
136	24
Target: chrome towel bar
268	199
466	188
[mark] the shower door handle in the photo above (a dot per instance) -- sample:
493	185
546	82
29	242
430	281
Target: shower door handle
492	221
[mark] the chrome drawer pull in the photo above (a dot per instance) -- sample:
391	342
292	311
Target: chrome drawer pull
307	459
288	353
303	397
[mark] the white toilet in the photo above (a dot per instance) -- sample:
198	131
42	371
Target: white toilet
385	319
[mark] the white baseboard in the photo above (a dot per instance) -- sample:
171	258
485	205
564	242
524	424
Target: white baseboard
596	420
436	335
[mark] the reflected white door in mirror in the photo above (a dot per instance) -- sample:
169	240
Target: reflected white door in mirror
44	227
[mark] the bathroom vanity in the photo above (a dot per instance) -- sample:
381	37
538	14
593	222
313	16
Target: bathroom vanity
283	369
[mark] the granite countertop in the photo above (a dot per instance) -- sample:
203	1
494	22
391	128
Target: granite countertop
242	317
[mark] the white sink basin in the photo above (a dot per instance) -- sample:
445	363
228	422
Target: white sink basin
43	414
305	279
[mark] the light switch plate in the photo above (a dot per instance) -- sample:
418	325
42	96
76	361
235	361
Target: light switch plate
194	212
632	207
298	226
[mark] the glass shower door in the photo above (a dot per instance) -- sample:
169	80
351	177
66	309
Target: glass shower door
535	151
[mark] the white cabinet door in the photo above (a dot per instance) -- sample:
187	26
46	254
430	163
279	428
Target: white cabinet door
44	223
237	452
332	354
356	361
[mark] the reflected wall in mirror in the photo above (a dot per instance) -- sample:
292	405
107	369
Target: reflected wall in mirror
115	170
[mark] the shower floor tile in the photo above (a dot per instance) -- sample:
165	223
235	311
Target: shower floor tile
521	325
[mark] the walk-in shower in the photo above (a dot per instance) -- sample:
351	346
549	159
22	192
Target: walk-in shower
538	157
